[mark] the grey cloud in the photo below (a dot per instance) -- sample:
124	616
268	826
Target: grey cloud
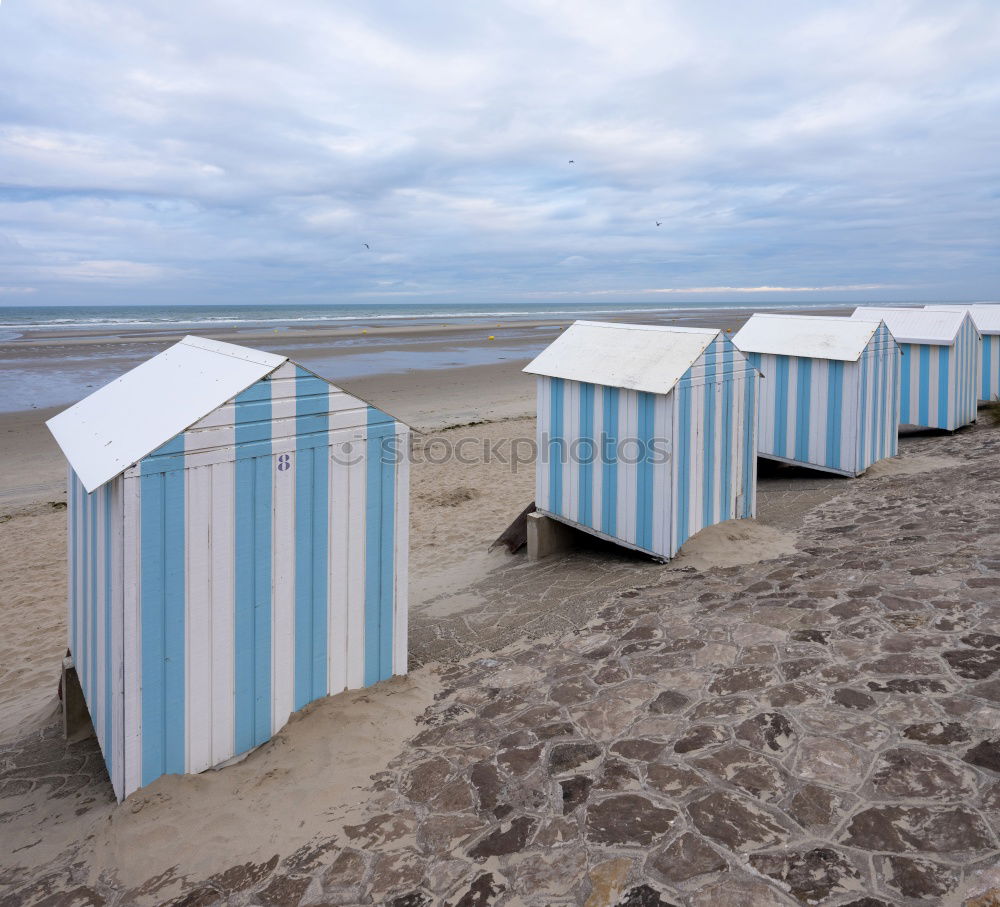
223	152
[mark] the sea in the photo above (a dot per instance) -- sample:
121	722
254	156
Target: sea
38	370
16	320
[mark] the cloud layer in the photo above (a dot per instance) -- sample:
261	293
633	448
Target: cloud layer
223	152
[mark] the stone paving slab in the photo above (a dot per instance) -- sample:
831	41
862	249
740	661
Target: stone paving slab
819	729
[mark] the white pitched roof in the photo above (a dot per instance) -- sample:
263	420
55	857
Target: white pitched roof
915	325
985	317
815	336
633	356
125	420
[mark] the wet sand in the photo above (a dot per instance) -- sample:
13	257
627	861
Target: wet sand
55	367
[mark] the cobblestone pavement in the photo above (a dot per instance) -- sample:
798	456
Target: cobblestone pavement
823	728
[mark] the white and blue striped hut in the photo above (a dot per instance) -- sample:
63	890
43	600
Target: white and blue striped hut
237	549
645	434
939	364
829	396
987	321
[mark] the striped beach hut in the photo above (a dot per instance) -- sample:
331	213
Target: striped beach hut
237	549
939	364
645	434
829	397
987	321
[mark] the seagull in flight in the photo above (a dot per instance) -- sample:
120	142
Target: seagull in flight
369	248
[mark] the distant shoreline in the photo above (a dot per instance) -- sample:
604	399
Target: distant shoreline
51	366
34	322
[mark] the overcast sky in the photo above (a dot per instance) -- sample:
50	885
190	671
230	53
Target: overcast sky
225	152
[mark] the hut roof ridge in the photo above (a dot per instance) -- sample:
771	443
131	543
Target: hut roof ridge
649	358
120	423
810	336
910	325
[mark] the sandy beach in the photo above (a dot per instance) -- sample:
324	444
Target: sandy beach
779	713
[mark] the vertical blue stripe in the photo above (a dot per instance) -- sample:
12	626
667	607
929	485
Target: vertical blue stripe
683	460
890	424
895	366
870	422
644	472
162	616
74	535
945	390
263	605
387	543
80	657
905	377
958	388
889	421
243	602
803	405
881	361
252	592
780	405
709	453
981	385
970	351
107	746
556	443
835	412
380	473
924	398
994	376
727	493
987	382
321	505
312	505
609	462
304	552
152	619
585	488
749	447
863	426
94	604
175	636
881	407
970	363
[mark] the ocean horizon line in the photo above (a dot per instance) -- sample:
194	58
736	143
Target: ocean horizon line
156	315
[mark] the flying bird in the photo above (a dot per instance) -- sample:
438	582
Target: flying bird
659	224
572	162
369	248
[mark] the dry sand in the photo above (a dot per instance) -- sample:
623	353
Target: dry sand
306	783
33	603
733	543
